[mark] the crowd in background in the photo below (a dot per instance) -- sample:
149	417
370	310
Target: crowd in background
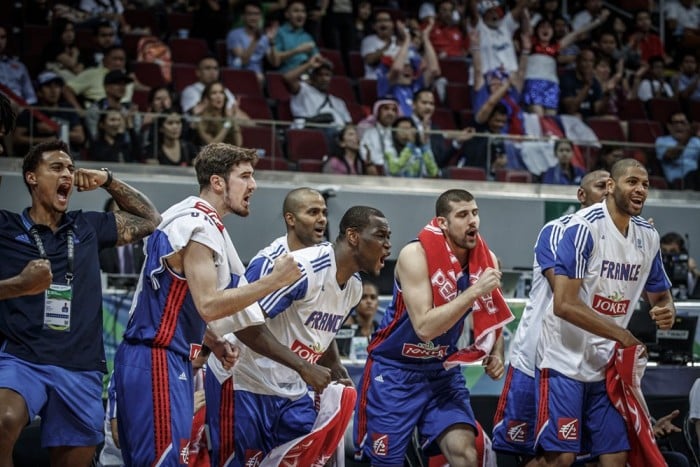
546	90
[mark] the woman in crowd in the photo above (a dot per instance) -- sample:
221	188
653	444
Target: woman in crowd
169	147
159	100
62	54
216	124
347	158
409	157
564	173
116	139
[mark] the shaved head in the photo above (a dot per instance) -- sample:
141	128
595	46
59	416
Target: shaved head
593	188
296	199
620	167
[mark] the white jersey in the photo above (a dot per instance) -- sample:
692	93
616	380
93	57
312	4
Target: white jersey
523	349
304	316
615	269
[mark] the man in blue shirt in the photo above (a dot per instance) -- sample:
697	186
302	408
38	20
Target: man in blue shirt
679	152
51	356
13	73
294	45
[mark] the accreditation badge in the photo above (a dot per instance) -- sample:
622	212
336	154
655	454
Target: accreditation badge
57	307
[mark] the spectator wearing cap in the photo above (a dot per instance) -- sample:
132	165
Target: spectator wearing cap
53	118
13	73
115	83
293	45
311	100
88	86
400	76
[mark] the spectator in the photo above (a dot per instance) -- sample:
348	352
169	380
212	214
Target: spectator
608	156
548	9
564	173
382	42
581	93
88	86
378	136
294	46
338	26
168	147
606	44
13	74
104	37
216	123
7	121
685	83
496	34
364	318
655	84
566	60
614	85
159	99
115	83
116	141
409	155
448	36
647	43
672	245
683	19
207	73
362	23
679	152
311	100
249	44
401	75
112	11
347	158
591	10
541	88
62	55
63	123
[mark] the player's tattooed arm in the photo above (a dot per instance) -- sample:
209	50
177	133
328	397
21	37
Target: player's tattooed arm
137	217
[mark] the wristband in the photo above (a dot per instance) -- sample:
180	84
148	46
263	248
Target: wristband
107	182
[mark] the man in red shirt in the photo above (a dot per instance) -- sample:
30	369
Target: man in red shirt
448	37
648	43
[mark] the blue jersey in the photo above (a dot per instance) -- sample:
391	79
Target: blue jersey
21	318
397	344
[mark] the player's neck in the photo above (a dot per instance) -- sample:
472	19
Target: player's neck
619	218
345	263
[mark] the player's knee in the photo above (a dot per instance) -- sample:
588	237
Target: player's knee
12	421
559	459
464	457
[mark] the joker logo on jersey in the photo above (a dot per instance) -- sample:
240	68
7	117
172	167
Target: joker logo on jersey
611	306
424	350
309	354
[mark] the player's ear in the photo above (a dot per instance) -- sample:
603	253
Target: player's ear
30	178
352	236
442	222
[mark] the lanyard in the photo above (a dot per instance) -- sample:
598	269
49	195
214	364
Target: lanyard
34	232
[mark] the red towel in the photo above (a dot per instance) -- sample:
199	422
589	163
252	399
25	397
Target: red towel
623	379
489	312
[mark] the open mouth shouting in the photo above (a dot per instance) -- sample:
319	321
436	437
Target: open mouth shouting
63	192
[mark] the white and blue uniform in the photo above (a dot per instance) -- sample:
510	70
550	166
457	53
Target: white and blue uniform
615	270
270	401
516	416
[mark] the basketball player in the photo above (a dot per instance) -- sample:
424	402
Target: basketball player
514	422
607	257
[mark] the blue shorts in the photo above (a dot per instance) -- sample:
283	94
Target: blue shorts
251	425
155	405
516	415
577	417
68	401
393	401
541	92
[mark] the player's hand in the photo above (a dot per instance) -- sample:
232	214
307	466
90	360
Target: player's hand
316	376
286	270
226	353
198	400
664	316
628	340
340	375
493	366
36	276
663	426
115	432
488	280
89	179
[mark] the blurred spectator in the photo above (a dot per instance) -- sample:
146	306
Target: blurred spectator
683	20
338	27
168	147
411	69
364	318
112	11
346	160
488	150
210	21
496	33
64	121
606	45
566	60
685	83
564	173
382	42
378	135
294	46
423	110
116	141
250	44
608	156
216	123
647	43
159	99
654	84
581	93
13	73
361	23
104	37
679	152
448	36
613	85
591	10
62	54
409	156
311	100
207	73
498	87
88	86
672	245
541	87
115	83
548	9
